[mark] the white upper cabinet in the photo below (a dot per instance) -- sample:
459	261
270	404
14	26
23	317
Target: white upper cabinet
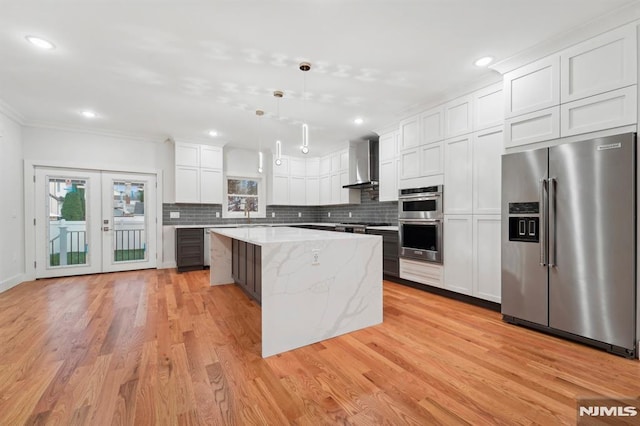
603	63
312	191
536	126
458	117
297	191
410	133
280	190
388	167
325	165
432	159
344	160
387	148
283	168
457	175
432	125
312	166
325	189
297	166
198	173
533	87
488	146
489	107
410	164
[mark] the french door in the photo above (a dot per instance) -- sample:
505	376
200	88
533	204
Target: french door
93	221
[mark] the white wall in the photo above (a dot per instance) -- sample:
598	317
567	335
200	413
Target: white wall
12	263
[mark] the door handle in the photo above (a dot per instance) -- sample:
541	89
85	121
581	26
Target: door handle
105	229
543	228
553	261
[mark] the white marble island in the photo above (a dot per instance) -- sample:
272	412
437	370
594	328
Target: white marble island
315	284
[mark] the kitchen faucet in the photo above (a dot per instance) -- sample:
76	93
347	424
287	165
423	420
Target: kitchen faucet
247	211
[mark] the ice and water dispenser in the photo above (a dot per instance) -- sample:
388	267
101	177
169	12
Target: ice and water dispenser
523	226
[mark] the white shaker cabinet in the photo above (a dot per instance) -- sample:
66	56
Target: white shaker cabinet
458	253
488	146
187	180
533	87
487	272
600	64
313	191
458	158
458	116
488	107
325	190
280	190
388	167
297	191
410	133
211	186
536	126
198	173
432	125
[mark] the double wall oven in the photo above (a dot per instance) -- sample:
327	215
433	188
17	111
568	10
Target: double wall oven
420	220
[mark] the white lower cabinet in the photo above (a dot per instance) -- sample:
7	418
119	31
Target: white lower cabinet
487	274
297	191
458	253
421	272
458	157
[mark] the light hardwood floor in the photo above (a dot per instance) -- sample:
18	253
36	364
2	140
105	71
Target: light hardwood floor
157	347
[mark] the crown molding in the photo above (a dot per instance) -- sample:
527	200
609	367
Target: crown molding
11	112
96	132
617	18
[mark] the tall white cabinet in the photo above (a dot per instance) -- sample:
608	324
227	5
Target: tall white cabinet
198	173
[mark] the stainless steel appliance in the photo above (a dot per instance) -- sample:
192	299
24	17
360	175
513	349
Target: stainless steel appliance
363	164
420	220
569	241
357	228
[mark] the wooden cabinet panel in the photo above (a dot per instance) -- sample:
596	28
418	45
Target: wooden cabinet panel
458	253
242	264
421	272
487	272
533	87
603	63
534	127
604	111
390	259
488	147
458	176
189	249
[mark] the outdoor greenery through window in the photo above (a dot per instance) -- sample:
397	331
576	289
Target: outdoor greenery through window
242	195
67	222
129	236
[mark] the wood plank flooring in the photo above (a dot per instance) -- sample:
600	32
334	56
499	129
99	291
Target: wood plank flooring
157	347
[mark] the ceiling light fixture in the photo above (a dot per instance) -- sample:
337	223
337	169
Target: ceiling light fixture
260	113
484	61
40	42
304	67
88	114
213	133
278	94
358	121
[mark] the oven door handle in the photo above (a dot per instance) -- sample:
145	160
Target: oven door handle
419	220
420	198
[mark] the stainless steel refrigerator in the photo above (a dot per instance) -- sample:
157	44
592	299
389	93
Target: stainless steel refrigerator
569	241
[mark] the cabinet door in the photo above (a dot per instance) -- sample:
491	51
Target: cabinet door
488	107
187	184
603	63
335	162
533	127
297	167
387	147
347	196
488	147
388	188
487	272
187	154
344	160
210	186
410	163
313	191
458	253
432	125
210	157
325	165
283	168
242	263
297	191
336	188
250	281
457	176
325	190
409	133
600	112
533	87
280	190
312	166
458	117
432	159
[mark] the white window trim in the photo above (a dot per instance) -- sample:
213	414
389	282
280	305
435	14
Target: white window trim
262	199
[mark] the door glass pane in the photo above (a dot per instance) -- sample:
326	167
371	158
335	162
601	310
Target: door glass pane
67	226
129	224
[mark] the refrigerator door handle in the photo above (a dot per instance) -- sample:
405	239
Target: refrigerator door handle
543	232
552	222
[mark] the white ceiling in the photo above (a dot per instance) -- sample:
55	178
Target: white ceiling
180	68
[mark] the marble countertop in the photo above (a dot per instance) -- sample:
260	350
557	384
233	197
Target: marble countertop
282	234
256	225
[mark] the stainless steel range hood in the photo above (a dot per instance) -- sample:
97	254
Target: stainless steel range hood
363	164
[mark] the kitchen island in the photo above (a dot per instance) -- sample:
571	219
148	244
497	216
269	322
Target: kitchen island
314	284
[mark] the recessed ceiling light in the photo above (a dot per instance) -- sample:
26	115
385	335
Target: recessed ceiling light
40	42
88	114
213	133
484	61
358	121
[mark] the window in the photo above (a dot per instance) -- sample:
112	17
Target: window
243	198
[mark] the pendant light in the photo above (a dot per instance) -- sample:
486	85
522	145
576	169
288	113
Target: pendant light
278	94
304	67
260	113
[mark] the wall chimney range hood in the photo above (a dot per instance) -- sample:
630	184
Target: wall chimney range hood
363	164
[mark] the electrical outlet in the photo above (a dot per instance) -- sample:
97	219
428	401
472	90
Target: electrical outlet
349	214
328	214
273	214
174	215
299	214
217	214
315	257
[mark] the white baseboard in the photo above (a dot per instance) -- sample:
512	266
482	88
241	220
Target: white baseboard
11	282
167	265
